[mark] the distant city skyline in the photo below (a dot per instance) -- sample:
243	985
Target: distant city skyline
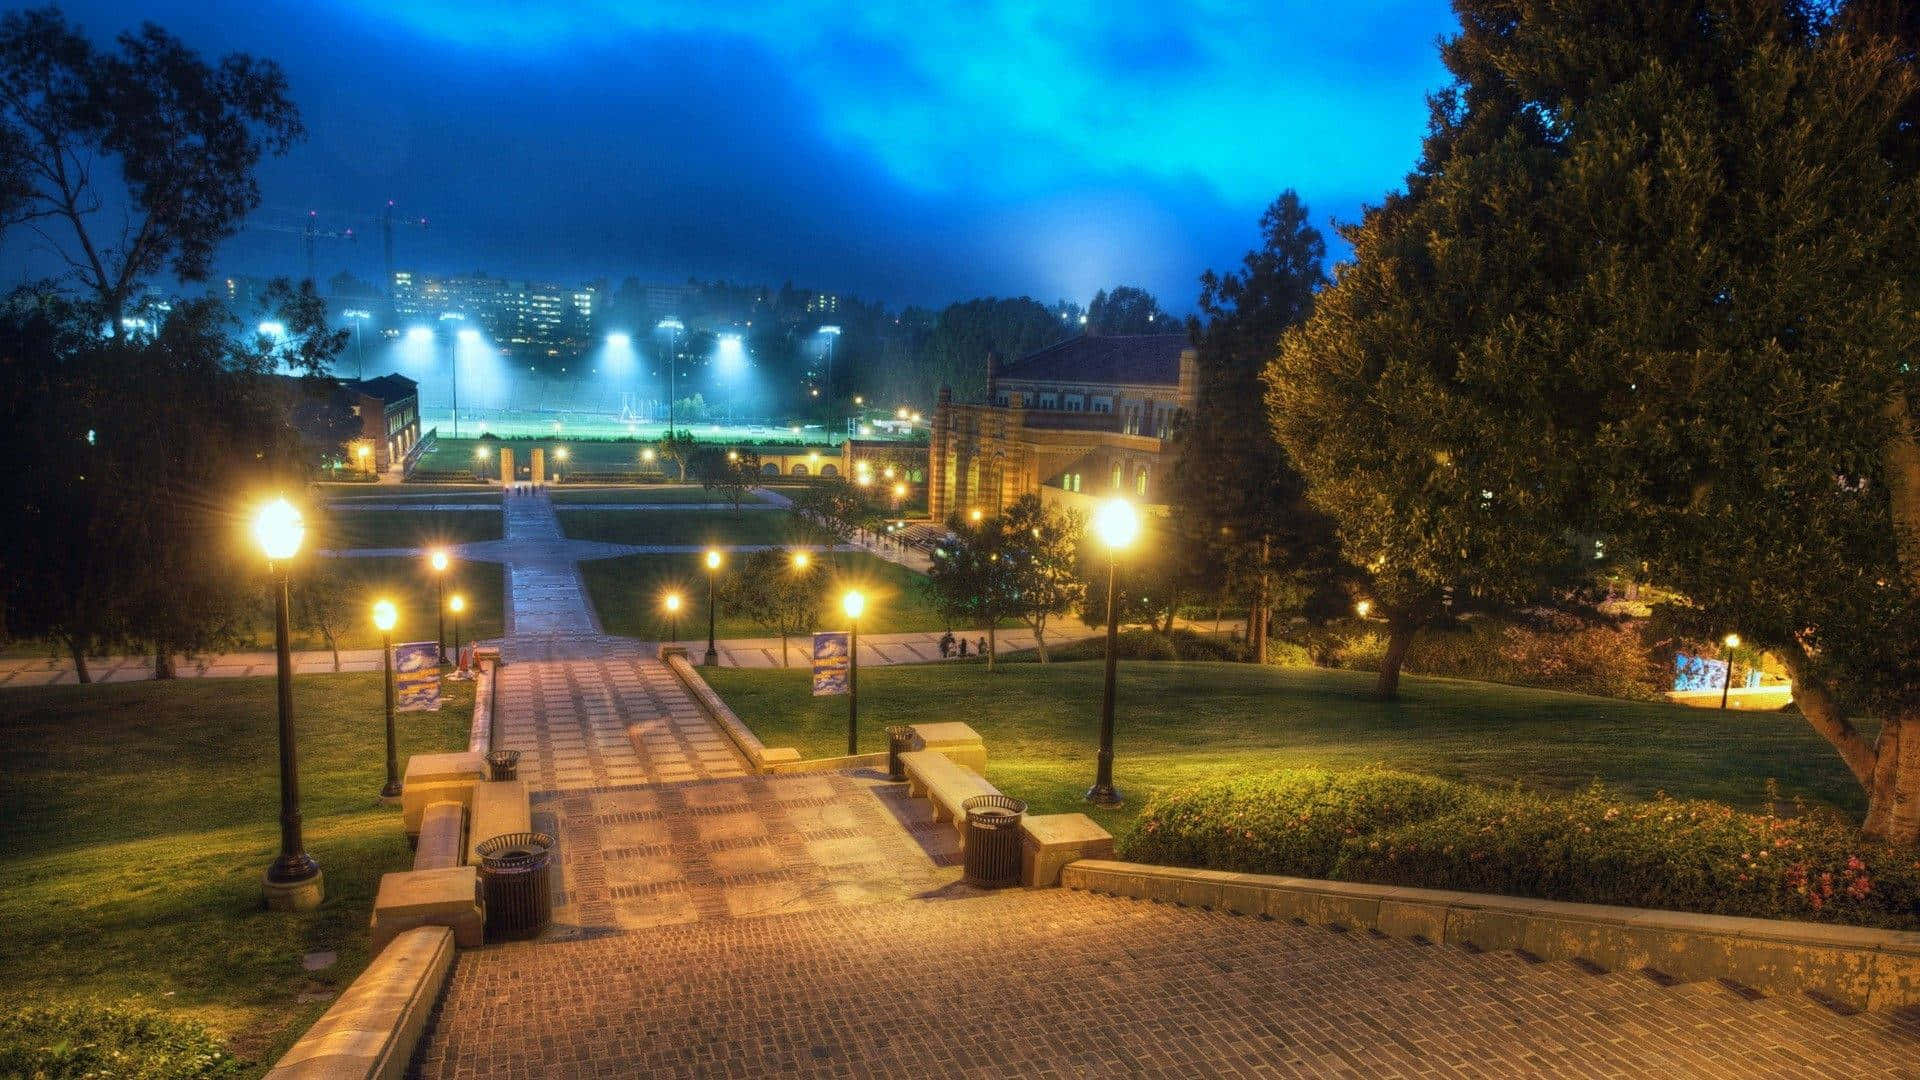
899	155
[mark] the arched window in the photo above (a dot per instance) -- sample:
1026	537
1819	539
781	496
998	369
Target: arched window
829	470
1140	483
799	470
771	468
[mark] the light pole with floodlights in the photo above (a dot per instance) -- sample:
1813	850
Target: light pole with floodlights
293	880
673	327
384	617
1117	524
853	604
438	560
713	572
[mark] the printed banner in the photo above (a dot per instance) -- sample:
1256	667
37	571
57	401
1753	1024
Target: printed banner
416	677
829	663
1698	673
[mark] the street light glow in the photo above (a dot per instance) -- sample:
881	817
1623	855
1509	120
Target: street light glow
1363	608
899	491
1733	641
1116	523
456	603
278	530
385	615
672	603
801	560
974	514
438	560
481	452
646	455
713	559
853	603
560	453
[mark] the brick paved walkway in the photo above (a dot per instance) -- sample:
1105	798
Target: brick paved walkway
1065	984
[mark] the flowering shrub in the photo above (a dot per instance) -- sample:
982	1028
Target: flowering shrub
1394	829
89	1039
1291	822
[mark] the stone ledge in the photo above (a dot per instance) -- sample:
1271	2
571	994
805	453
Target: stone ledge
787	766
480	733
499	807
432	778
1049	842
448	897
1858	966
749	744
373	1029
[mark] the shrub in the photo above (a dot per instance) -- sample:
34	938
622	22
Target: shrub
1290	822
1609	661
1137	644
1685	855
93	1039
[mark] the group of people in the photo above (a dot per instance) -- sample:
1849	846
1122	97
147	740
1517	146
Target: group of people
947	642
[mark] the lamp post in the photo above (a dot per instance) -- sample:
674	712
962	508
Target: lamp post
672	604
384	617
456	604
1732	642
438	560
853	604
673	327
293	881
1116	524
713	572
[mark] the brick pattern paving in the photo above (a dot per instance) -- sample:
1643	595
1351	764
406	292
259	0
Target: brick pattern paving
640	857
1059	984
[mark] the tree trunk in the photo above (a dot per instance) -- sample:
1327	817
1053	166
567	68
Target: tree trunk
1893	799
1399	640
334	647
1825	715
1040	640
78	649
993	643
1901	457
783	650
162	661
1258	617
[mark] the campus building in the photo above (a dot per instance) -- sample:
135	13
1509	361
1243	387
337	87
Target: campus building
388	412
1084	418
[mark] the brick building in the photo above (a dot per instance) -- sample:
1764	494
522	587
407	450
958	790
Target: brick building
1075	421
388	409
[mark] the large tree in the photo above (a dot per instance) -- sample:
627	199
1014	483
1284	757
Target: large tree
1240	505
134	160
1128	309
1041	547
969	576
955	352
778	593
1655	277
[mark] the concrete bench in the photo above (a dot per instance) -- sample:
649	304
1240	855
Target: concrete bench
447	896
1049	842
433	778
373	1029
956	740
946	784
499	807
442	828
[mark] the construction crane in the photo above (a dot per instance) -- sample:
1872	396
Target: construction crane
387	222
311	232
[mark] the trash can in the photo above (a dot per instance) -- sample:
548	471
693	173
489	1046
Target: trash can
899	741
503	765
993	840
515	885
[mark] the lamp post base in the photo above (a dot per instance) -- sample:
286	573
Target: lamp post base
390	793
710	659
1104	795
304	894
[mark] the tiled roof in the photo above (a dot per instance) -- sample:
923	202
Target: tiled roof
387	388
1127	358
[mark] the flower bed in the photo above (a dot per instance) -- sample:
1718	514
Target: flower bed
1393	828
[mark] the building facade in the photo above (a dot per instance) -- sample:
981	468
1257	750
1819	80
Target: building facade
388	409
1087	417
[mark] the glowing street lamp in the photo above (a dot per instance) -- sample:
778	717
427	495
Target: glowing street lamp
801	560
1363	608
1116	524
713	572
293	881
974	515
365	454
1732	642
384	617
438	560
456	604
853	603
671	602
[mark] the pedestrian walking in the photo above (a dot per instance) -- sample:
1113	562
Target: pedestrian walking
963	648
982	649
946	645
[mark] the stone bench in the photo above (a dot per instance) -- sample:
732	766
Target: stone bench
1048	842
373	1029
945	783
499	807
433	778
954	739
442	828
447	896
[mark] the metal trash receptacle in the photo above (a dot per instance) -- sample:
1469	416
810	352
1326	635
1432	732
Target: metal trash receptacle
515	884
899	741
503	765
993	840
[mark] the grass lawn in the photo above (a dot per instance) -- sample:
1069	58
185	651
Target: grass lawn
586	455
408	583
140	817
406	528
1178	723
722	527
627	591
643	493
403	494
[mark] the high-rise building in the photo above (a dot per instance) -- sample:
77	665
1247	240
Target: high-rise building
521	315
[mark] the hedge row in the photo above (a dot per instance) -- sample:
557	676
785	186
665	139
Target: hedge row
1394	828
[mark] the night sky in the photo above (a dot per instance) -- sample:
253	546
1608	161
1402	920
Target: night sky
893	151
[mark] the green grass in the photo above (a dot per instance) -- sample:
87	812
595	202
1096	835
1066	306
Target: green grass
140	817
586	455
406	528
409	584
1178	723
643	493
626	592
404	494
723	527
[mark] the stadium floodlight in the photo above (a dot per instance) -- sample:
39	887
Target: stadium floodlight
619	340
272	328
419	333
833	331
469	334
452	316
670	323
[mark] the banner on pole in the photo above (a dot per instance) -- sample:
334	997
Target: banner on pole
1698	673
416	677
829	663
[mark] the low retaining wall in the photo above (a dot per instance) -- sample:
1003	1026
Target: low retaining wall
480	735
877	760
1855	966
373	1029
757	753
